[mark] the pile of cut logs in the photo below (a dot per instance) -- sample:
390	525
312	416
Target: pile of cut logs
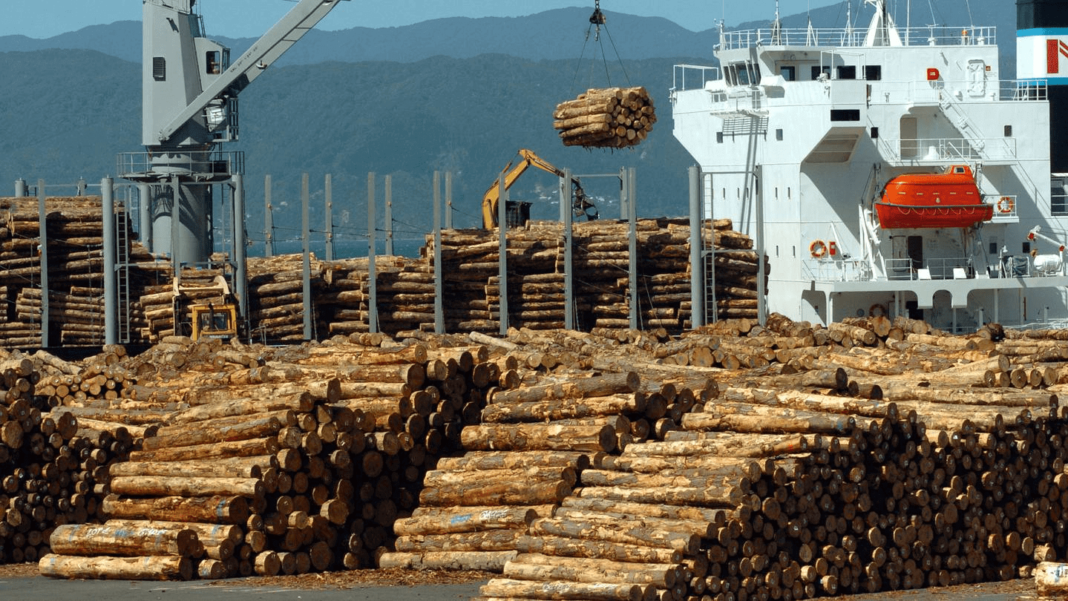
75	267
405	295
601	262
606	118
50	465
957	478
268	461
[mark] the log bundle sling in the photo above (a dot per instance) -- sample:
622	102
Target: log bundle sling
606	118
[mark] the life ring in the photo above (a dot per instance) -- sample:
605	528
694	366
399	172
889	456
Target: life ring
1005	204
817	249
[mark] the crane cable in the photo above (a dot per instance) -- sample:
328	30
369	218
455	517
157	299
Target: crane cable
597	21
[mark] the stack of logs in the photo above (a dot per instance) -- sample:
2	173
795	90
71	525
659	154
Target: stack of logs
75	268
606	118
49	465
601	263
405	295
278	460
948	482
521	462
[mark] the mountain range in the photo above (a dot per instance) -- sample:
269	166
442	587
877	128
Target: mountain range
458	95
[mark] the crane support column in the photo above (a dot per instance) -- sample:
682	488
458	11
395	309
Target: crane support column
389	215
240	248
268	219
502	229
111	296
569	272
42	253
632	216
144	210
448	200
329	193
439	272
304	199
697	280
372	275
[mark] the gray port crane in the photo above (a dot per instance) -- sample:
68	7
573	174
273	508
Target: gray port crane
190	107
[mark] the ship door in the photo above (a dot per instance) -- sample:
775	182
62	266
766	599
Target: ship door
914	249
976	78
910	146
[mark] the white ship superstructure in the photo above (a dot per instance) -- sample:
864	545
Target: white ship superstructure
800	131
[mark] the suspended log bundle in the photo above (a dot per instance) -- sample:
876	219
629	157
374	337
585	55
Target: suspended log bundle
606	118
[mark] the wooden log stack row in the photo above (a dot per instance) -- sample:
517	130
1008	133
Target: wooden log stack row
601	264
405	296
606	118
519	465
75	270
49	466
282	460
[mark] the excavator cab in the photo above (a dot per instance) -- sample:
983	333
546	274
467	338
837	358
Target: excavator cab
210	321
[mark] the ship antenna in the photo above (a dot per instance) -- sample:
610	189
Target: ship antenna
776	27
849	24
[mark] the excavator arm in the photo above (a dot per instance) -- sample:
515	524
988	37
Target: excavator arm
491	199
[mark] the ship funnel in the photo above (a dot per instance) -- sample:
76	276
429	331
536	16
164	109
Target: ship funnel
1042	54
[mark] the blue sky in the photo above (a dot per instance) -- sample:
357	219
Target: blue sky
248	18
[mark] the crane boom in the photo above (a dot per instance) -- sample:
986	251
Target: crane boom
269	48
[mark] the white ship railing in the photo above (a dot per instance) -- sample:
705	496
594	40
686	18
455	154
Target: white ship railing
692	77
931	92
1024	90
950	149
916	36
829	270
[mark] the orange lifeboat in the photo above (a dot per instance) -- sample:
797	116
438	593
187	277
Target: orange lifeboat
933	200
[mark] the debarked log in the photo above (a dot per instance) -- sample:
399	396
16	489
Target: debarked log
89	539
117	568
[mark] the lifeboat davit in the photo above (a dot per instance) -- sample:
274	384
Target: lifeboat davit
933	200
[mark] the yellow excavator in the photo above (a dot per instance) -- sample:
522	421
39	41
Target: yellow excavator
518	212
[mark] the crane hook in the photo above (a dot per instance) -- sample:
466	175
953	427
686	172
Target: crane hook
597	18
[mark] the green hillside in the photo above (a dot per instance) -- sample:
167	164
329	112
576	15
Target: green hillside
73	111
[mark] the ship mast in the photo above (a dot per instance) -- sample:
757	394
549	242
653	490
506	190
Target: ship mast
776	28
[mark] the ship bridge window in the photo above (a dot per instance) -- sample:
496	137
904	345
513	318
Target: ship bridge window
847	72
873	72
742	74
788	72
845	115
817	71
